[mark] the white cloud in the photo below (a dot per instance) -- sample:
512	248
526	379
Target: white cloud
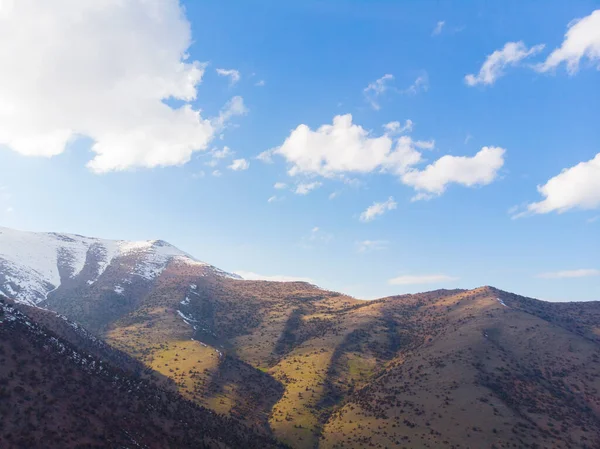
396	127
234	75
233	107
103	70
334	195
372	245
216	173
577	187
280	185
570	274
438	28
223	153
305	188
377	209
582	40
344	148
493	68
250	276
422	279
480	169
260	83
239	164
421	84
266	156
376	89
218	155
273	198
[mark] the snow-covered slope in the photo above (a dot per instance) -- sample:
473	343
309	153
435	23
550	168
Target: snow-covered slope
33	264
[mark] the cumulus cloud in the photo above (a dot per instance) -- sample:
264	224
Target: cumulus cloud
480	169
306	187
493	68
582	40
234	75
345	148
577	187
250	276
376	89
280	185
438	28
570	274
422	279
365	246
102	70
239	165
377	209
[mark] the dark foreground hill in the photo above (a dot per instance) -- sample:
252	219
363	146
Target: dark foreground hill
54	394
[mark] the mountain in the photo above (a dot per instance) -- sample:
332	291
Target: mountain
67	271
55	394
315	368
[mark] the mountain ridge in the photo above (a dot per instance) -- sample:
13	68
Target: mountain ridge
317	368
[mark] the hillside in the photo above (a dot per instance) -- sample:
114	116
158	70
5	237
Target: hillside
93	403
315	368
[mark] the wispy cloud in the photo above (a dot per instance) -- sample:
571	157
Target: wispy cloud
421	84
396	127
438	28
377	209
365	246
581	273
234	75
305	188
376	89
493	68
251	276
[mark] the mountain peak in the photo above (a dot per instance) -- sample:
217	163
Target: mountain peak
35	264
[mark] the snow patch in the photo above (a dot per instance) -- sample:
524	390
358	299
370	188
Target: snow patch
32	262
501	302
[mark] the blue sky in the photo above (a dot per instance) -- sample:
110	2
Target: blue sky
86	90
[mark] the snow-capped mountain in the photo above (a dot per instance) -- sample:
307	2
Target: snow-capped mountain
33	265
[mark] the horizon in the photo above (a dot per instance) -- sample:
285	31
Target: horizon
369	148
